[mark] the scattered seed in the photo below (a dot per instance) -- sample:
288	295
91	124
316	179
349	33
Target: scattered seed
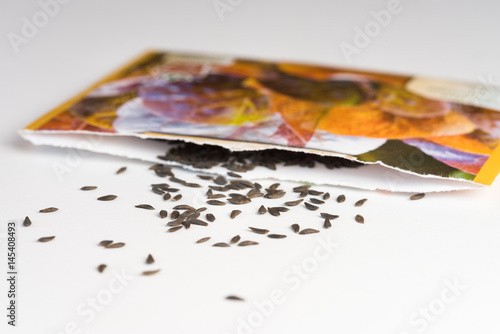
254	193
315	192
234	213
296	228
150	259
173	229
150	272
234	175
210	217
259	230
203	208
308	231
115	245
215	202
51	209
192	185
273	194
360	202
359	219
107	198
205	177
197	222
105	242
121	170
310	206
326	196
183	207
316	201
294	203
220	244
101	268
86	188
176	198
247	243
215	196
220	180
171	190
145	206
276	236
304	193
27	221
235	239
167	196
274	212
262	209
328	216
163	214
235	298
341	198
158	191
202	240
327	223
46	239
300	189
417	196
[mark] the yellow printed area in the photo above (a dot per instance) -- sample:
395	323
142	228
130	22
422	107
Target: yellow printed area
113	76
490	169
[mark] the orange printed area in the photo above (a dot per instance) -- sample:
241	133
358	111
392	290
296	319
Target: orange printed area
369	121
463	143
490	169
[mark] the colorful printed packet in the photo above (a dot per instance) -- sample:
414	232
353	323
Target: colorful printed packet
420	131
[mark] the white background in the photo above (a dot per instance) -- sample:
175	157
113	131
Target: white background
381	275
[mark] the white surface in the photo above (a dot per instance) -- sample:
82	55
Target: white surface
380	273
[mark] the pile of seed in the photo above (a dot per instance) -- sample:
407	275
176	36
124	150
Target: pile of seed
208	156
231	189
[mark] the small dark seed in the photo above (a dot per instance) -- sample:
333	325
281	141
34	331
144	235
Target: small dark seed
192	185
105	242
235	213
173	229
202	240
276	236
167	196
86	188
203	208
235	298
215	202
326	196
197	222
205	177
51	209
300	189
262	209
27	221
310	206
220	244
235	239
101	268
259	230
210	217
215	196
150	272
417	196
316	201
247	243
359	219
360	202
163	214
315	192
183	207
341	198
145	206
294	203
274	212
115	245
327	223
308	231
46	239
107	198
220	180
176	198
304	193
328	216
158	191
296	228
150	259
171	190
121	170
232	174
